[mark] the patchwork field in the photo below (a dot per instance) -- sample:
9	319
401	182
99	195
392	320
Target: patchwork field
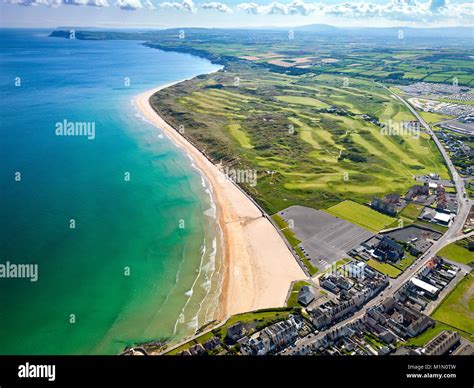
305	135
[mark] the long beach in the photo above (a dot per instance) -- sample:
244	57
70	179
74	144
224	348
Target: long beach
259	266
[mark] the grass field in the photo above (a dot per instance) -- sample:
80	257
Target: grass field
361	215
293	299
457	251
457	309
431	117
385	268
411	211
406	262
429	334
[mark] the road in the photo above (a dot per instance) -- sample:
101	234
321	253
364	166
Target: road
454	233
464	204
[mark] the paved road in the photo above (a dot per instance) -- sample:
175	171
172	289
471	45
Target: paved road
454	233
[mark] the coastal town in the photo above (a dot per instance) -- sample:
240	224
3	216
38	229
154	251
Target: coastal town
367	292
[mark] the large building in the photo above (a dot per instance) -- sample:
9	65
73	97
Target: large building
426	288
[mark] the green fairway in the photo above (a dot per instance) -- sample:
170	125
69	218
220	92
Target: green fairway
458	251
457	309
304	135
361	215
384	268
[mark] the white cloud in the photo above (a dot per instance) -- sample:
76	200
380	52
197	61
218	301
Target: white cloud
28	3
398	10
221	7
276	9
248	7
92	3
185	5
299	7
403	10
129	5
57	3
149	5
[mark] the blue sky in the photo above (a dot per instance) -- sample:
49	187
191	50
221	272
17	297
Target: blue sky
234	13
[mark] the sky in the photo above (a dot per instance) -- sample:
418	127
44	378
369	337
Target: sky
234	13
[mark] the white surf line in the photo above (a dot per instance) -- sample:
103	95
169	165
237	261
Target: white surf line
191	291
222	270
212	257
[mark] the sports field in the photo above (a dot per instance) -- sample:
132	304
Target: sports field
361	215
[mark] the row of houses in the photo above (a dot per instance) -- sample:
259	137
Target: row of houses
274	337
355	284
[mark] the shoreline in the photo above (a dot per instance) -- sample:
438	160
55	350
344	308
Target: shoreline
259	267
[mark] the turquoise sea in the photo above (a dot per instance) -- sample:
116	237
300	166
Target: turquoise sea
142	262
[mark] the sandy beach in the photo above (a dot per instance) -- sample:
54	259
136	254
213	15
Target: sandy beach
259	266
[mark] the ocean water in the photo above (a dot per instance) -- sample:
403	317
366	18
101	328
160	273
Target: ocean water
143	259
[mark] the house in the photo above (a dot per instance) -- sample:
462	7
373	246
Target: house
329	285
274	337
419	326
389	249
213	343
385	206
236	331
197	350
415	191
306	295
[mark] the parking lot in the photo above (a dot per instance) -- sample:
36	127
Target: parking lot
324	238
